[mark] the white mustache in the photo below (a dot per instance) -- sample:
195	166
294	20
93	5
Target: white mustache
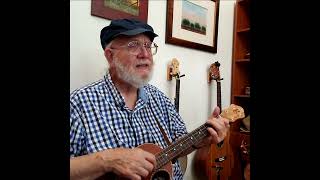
148	63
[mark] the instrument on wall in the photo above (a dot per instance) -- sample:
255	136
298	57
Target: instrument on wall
174	72
211	163
218	152
164	157
214	74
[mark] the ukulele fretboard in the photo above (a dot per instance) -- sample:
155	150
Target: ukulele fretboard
182	144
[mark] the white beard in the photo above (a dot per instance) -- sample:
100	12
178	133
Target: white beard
127	75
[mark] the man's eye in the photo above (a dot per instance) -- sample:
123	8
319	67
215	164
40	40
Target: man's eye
147	45
133	44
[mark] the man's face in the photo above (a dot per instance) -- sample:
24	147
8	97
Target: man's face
135	67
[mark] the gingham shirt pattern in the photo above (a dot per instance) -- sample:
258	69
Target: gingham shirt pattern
100	120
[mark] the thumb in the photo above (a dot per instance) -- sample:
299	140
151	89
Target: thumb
216	112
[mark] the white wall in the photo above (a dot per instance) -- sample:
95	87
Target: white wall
197	97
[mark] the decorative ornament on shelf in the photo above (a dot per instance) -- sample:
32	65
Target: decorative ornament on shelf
247	90
247	55
245	151
246	123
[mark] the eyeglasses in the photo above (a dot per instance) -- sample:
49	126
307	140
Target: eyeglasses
134	47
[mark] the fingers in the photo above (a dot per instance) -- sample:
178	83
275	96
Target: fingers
214	137
135	172
132	163
216	112
152	159
134	177
219	126
149	159
227	123
146	163
142	171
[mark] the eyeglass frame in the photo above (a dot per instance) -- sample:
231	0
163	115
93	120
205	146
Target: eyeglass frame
139	46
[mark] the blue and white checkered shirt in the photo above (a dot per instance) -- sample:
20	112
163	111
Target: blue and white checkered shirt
100	120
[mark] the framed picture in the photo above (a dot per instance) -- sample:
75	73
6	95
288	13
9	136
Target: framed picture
193	24
116	9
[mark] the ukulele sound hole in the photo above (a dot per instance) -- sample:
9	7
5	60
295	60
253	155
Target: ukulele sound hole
161	175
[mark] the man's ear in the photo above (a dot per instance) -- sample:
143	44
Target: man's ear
108	54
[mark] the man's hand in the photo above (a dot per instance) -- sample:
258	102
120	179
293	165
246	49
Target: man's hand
130	163
218	130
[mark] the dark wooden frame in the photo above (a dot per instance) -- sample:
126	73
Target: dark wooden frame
98	9
185	43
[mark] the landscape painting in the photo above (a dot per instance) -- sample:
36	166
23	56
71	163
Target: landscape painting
193	24
127	6
116	9
194	17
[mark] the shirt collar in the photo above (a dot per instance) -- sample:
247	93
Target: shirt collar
142	94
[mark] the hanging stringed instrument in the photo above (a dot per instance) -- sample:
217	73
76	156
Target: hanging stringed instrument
174	72
164	157
211	162
219	152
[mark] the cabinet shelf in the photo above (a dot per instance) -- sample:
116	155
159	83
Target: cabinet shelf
242	60
241	96
243	1
243	30
243	131
240	80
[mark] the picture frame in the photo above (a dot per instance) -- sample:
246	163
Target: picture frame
118	9
193	24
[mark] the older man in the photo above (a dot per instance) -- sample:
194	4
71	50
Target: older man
111	117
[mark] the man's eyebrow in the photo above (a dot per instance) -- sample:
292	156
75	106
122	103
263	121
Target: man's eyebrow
120	41
137	39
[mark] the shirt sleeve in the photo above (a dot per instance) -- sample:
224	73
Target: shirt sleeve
77	135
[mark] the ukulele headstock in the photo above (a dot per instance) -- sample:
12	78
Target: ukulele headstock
214	72
233	113
173	70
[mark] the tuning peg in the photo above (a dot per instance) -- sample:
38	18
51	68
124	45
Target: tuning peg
220	159
218	169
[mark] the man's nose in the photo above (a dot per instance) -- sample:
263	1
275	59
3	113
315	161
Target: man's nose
144	51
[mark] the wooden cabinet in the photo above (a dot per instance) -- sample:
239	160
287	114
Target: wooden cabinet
235	162
240	87
238	159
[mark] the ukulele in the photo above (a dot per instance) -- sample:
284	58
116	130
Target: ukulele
217	152
173	71
164	157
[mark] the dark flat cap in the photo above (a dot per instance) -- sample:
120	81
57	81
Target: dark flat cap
129	27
